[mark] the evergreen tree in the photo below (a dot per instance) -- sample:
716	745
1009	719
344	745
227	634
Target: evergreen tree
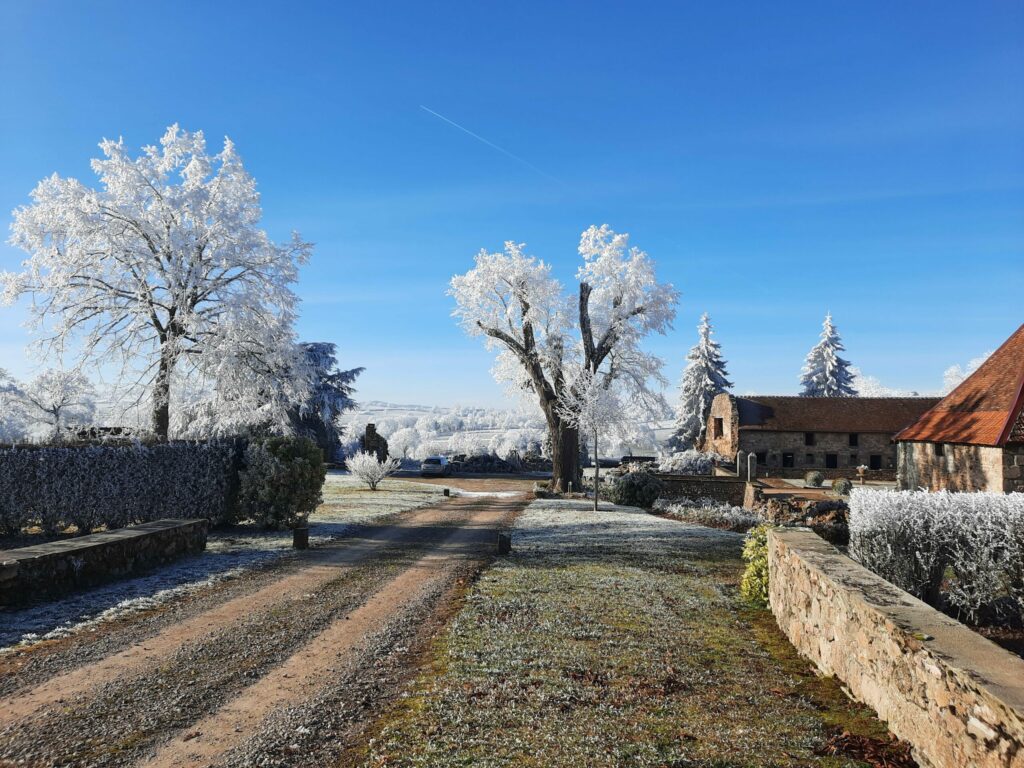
825	373
704	377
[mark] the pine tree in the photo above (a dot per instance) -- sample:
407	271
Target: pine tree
825	373
704	377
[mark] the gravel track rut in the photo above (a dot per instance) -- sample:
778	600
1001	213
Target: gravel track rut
200	688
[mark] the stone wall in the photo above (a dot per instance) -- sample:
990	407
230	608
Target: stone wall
959	468
728	490
772	446
57	567
955	696
1013	469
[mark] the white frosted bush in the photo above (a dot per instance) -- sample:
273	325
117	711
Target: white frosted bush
368	468
962	549
689	462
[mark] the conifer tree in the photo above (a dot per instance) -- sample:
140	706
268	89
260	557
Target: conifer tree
704	377
825	373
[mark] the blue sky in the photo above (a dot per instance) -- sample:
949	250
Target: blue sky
776	160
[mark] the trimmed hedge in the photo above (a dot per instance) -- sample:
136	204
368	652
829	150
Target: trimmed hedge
282	481
117	485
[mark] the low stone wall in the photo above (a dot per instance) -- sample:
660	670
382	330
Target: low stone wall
729	490
57	567
955	696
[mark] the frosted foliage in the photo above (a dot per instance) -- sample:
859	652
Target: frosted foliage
825	373
58	399
114	486
953	376
371	470
962	549
704	377
162	269
595	407
541	336
690	462
13	422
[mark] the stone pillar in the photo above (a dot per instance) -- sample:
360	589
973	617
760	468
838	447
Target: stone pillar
751	467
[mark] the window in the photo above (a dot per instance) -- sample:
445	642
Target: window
809	459
808	438
762	457
787	460
854	461
854	439
719	428
940	449
831	460
875	462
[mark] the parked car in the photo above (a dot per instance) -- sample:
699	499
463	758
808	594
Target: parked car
436	466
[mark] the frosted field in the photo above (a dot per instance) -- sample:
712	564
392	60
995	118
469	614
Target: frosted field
229	554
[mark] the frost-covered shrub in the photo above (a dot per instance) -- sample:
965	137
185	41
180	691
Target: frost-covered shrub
754	584
689	463
708	512
638	488
281	482
964	551
814	479
116	485
842	486
370	469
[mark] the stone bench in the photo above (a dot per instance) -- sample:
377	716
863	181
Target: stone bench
58	567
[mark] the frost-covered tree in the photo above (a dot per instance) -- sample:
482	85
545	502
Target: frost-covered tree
593	406
163	268
953	376
330	395
825	373
57	399
704	377
371	470
404	440
13	422
514	301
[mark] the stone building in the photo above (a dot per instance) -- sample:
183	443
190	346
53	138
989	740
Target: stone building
973	439
792	435
373	442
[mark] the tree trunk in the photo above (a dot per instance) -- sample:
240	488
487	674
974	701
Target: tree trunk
162	398
597	472
565	455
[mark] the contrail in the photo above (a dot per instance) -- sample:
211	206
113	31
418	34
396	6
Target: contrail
492	145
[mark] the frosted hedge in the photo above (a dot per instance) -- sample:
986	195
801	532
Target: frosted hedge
115	486
962	551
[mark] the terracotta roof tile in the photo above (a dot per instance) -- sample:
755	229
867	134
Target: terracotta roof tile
830	414
984	408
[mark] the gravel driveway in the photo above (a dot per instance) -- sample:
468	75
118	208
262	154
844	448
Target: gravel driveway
217	683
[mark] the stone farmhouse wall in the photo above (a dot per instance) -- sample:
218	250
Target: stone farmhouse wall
771	445
59	567
955	696
960	467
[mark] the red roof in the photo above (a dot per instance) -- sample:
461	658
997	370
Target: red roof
783	413
984	408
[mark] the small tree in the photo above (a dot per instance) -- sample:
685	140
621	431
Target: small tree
825	373
57	398
705	376
370	469
592	406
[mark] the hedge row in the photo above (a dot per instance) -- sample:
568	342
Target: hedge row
115	486
959	551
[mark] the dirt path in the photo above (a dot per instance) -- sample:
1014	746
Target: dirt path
213	677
